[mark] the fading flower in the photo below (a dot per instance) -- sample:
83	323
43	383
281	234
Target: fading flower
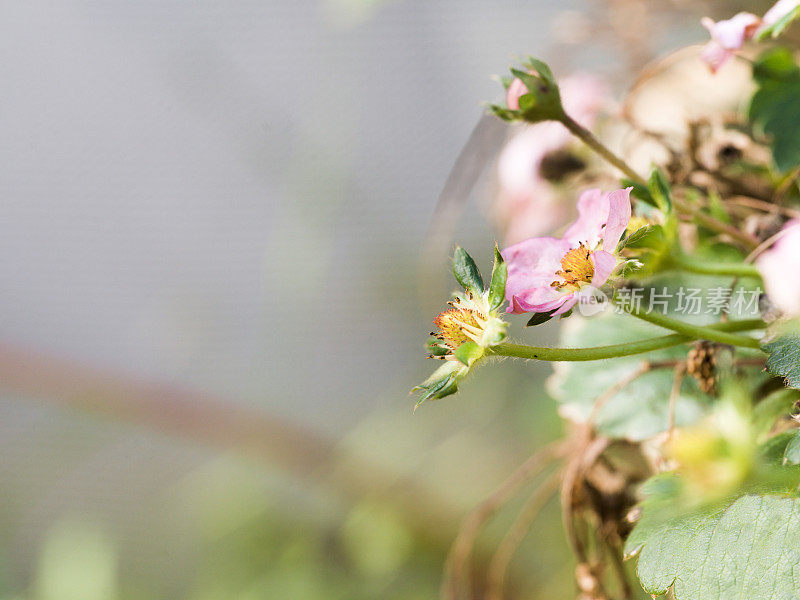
468	328
727	37
779	267
549	274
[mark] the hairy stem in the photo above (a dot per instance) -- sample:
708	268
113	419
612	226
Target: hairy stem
702	267
697	332
588	138
638	347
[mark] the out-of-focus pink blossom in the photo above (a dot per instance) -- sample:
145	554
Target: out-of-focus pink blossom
727	37
527	204
780	266
547	274
779	10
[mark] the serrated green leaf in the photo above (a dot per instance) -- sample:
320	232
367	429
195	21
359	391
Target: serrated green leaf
660	191
784	357
775	106
749	550
466	271
468	352
539	319
791	455
497	286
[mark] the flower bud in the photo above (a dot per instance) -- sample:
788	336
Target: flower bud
532	95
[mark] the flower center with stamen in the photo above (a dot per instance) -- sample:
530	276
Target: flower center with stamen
576	268
458	325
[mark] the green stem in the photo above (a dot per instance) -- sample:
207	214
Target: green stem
701	218
616	350
590	140
707	332
702	267
713	224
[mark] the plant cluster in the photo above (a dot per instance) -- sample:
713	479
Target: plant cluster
678	371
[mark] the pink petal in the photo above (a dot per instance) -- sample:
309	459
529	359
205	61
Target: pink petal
592	215
532	265
604	264
520	306
536	256
779	10
619	215
515	90
600	217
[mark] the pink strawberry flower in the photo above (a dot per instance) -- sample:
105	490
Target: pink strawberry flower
779	266
727	37
548	274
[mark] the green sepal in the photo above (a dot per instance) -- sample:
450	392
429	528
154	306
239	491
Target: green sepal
632	266
639	191
539	319
436	348
443	382
660	191
497	286
468	352
779	26
466	271
649	236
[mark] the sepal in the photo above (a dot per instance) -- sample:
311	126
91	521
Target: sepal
466	271
497	286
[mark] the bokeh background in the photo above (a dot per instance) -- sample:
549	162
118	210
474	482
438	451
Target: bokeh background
211	300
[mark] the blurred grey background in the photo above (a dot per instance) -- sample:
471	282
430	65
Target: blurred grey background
229	198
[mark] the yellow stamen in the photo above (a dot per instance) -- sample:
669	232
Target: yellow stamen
576	268
458	325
